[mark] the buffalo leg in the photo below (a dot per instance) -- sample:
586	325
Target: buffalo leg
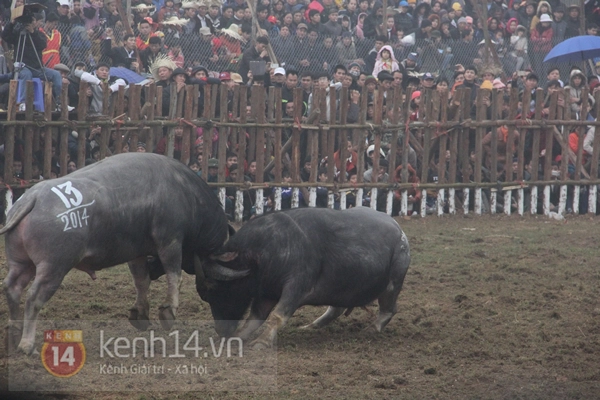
278	318
387	305
171	257
258	314
329	315
47	280
139	313
18	278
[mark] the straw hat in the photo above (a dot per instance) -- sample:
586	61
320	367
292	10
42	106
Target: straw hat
142	7
175	21
161	61
232	32
189	4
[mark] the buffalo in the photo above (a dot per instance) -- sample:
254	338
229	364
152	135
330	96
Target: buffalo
282	261
124	208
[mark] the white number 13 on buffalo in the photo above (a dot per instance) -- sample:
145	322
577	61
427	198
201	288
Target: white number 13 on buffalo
76	216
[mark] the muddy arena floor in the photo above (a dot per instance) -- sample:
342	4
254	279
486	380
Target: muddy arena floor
493	307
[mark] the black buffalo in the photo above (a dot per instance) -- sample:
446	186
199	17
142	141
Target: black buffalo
282	261
121	209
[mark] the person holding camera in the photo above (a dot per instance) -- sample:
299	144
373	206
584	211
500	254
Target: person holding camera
29	43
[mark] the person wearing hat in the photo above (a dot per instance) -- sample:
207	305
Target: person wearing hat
64	72
141	147
101	75
386	79
180	77
237	78
403	19
498	84
577	82
30	42
278	77
232	40
541	41
386	61
428	80
202	20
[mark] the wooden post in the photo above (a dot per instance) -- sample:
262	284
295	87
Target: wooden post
120	110
242	132
295	167
173	101
28	147
64	132
258	98
9	141
331	144
135	93
105	129
277	144
206	131
82	109
343	135
187	129
535	153
46	168
154	132
594	167
222	135
442	154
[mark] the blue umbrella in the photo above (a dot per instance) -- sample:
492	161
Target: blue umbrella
127	74
576	49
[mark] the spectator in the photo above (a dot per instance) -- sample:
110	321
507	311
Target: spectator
100	76
31	49
256	53
385	61
51	54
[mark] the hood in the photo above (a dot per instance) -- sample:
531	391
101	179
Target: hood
508	25
538	13
388	48
574	73
361	23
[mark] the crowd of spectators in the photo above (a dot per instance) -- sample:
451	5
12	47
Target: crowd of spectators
329	44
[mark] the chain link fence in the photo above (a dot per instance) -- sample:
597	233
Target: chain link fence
315	53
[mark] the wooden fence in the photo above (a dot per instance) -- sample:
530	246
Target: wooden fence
253	127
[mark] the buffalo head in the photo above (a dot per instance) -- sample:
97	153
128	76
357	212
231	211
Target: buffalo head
226	283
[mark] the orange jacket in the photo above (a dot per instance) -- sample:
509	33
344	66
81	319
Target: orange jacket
51	54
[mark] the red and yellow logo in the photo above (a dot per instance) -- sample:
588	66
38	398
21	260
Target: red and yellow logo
63	352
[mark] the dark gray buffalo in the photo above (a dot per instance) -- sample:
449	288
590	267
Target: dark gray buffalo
282	261
121	209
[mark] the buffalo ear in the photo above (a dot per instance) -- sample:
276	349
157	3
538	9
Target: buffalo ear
226	257
230	230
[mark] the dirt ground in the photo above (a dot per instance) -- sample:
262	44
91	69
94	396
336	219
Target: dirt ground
492	307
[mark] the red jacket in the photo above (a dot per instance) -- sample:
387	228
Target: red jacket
542	42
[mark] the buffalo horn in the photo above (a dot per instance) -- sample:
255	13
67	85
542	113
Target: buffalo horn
221	273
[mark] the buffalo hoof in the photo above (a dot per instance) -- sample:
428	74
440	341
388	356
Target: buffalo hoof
27	349
12	338
167	317
259	345
139	321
